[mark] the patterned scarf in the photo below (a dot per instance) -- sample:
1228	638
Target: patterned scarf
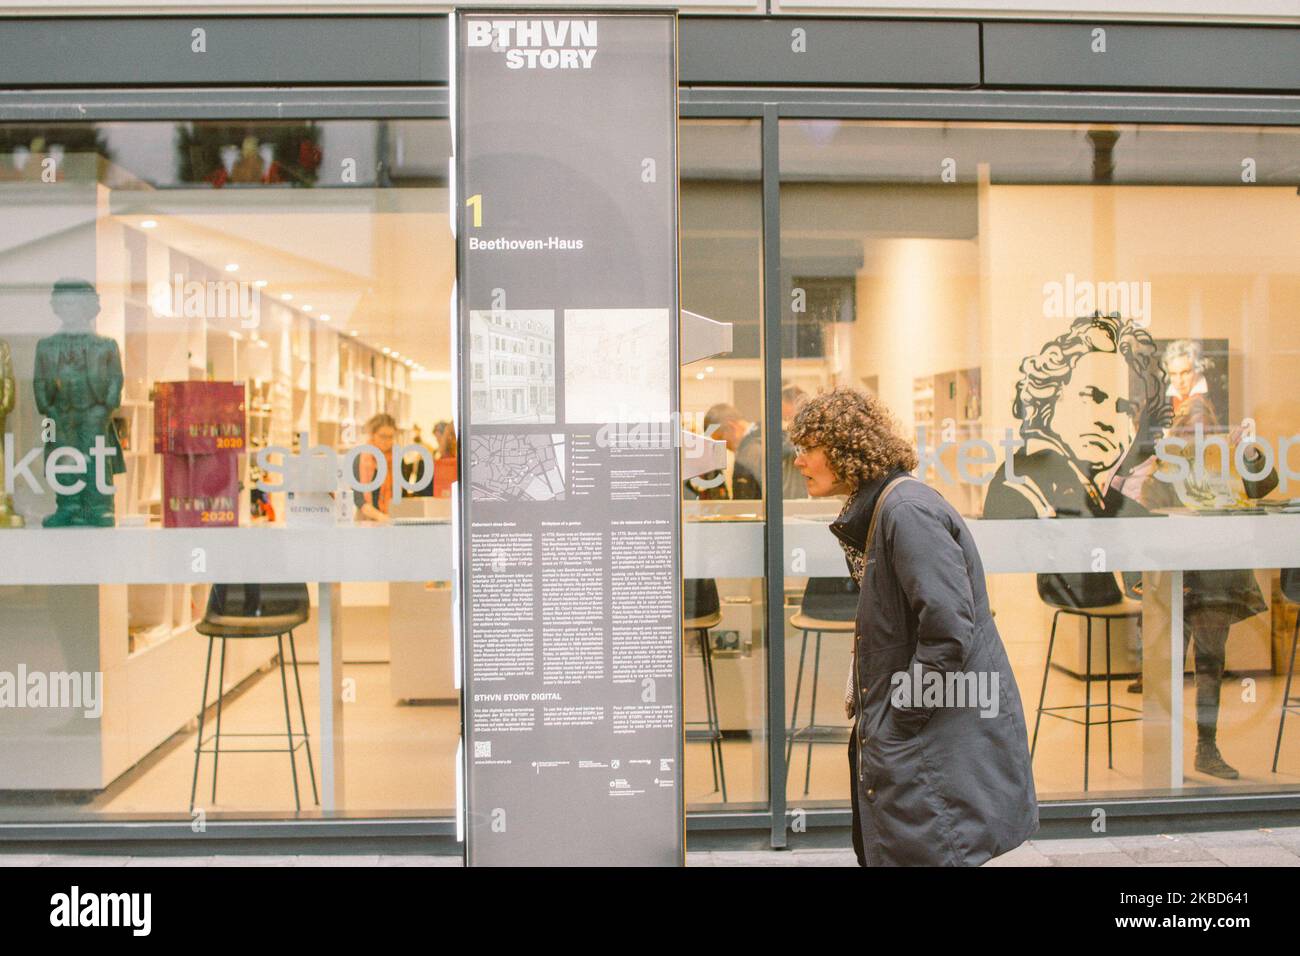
856	558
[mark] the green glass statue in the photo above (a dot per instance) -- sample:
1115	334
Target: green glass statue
78	383
8	395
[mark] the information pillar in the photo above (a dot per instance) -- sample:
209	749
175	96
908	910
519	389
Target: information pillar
569	502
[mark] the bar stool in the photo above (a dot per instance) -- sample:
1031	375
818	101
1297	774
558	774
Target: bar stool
1290	705
1063	593
242	612
703	612
829	606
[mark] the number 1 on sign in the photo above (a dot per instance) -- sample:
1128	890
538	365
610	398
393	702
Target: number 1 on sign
475	202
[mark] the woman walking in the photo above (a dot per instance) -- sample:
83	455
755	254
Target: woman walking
938	755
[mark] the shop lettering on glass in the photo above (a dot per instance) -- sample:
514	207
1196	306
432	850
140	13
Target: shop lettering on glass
293	468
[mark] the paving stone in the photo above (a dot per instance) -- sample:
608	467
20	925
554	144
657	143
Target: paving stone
1149	839
309	859
1183	863
1255	855
254	860
1024	855
1288	837
1092	859
1234	838
412	860
1180	852
825	858
753	858
105	861
138	862
1098	844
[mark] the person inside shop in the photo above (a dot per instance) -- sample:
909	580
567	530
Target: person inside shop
724	422
381	434
932	785
792	483
709	486
1212	600
444	465
414	468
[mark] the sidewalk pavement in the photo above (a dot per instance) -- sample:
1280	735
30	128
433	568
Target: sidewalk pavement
1263	847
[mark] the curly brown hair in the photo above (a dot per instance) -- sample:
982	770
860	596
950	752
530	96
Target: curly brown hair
858	433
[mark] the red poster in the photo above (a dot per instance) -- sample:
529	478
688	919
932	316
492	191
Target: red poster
200	429
199	418
200	491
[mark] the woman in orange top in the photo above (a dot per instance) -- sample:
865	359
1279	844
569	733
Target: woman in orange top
444	468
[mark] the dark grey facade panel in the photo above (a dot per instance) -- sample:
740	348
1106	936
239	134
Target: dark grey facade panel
1106	55
167	51
727	50
715	51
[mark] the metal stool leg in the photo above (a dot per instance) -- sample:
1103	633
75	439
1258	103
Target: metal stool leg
1286	694
794	712
708	702
715	721
1087	704
812	718
1042	694
302	712
203	707
1110	742
216	741
288	725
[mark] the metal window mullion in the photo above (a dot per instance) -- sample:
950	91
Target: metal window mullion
774	511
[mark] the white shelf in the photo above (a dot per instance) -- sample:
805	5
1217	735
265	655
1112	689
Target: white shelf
48	556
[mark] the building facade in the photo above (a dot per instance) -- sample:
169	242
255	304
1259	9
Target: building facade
1060	245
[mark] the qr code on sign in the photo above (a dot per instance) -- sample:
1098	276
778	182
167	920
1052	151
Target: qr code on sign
482	748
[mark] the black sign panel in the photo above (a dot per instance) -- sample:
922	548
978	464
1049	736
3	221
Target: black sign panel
569	501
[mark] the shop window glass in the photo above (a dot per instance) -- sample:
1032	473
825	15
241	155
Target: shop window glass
1113	307
178	300
725	691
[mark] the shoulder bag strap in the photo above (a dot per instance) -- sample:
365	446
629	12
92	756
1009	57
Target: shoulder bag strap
880	504
849	694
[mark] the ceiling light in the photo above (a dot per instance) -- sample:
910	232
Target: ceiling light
286	297
259	284
709	369
232	266
387	350
324	316
306	308
149	224
699	376
354	333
